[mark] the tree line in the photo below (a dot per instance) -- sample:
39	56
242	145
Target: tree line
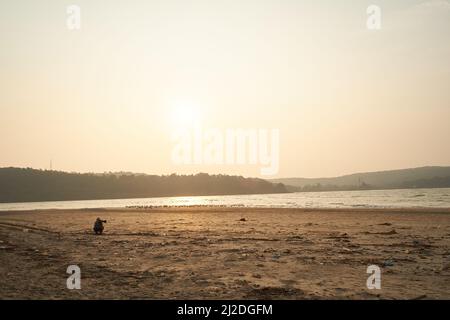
27	185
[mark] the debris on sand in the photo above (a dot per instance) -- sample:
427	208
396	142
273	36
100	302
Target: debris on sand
243	219
339	236
422	244
294	238
393	231
388	263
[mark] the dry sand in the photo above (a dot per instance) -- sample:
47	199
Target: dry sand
208	253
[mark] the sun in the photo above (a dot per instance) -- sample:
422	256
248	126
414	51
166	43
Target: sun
185	114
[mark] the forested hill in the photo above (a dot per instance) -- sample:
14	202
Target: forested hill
25	185
424	177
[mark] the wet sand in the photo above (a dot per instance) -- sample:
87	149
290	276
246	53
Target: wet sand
209	253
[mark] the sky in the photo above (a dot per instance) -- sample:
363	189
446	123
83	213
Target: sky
110	95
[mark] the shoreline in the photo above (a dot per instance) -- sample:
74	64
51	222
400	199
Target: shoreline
421	199
189	208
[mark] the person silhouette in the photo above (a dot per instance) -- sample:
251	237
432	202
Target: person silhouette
98	226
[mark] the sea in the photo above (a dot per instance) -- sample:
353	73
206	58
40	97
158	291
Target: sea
399	198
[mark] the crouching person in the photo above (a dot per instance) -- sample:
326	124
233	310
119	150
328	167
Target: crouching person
98	226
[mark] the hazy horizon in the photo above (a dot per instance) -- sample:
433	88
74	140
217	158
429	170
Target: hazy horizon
219	173
109	96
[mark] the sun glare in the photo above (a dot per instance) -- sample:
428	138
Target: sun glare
185	114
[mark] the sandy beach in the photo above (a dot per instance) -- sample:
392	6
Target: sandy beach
226	253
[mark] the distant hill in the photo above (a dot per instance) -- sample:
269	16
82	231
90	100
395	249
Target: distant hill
424	177
26	185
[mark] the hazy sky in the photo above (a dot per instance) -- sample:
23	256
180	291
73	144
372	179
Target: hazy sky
108	97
